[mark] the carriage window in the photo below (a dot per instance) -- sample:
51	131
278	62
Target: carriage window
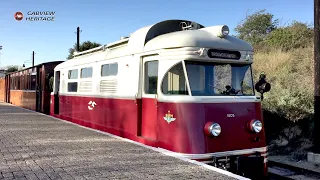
33	82
174	81
109	69
151	77
18	82
11	83
73	74
72	87
86	72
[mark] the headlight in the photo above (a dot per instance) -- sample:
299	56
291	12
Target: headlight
215	129
256	126
219	30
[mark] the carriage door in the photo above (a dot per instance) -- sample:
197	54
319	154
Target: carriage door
149	99
56	92
8	80
38	88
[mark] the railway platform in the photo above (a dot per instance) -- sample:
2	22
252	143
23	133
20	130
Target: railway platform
37	146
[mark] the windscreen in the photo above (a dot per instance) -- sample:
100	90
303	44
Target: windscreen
212	79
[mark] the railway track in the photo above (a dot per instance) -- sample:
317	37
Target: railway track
279	170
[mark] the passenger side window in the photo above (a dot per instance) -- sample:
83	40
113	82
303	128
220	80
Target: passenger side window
109	69
33	82
150	77
86	72
73	74
73	86
174	82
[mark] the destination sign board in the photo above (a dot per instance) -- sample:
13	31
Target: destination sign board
224	54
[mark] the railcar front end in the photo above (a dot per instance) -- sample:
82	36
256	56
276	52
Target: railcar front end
208	110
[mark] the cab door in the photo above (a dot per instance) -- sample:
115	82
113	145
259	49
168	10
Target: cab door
149	98
56	93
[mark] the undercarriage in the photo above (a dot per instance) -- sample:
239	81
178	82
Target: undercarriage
247	166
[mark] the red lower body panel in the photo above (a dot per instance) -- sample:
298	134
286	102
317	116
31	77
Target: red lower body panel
177	127
183	133
118	117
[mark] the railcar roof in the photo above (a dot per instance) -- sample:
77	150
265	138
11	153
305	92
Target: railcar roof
38	65
197	38
84	59
165	34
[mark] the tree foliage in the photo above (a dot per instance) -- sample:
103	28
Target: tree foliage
296	35
12	69
82	47
255	27
286	54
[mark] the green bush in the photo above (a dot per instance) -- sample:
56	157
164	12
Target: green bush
297	35
286	55
256	26
291	76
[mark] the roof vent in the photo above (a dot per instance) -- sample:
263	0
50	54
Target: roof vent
123	37
189	26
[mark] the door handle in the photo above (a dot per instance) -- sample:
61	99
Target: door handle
156	100
135	98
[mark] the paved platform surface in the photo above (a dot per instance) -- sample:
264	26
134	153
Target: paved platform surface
35	146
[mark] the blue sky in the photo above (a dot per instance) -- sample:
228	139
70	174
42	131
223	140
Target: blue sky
104	21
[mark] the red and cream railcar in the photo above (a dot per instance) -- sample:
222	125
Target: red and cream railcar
175	85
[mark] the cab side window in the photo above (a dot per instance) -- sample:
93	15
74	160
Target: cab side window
151	77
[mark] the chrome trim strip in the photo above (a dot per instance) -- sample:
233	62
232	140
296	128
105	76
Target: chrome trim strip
23	90
207	162
265	160
217	154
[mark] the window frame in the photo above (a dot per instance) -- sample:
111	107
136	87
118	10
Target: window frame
86	68
144	77
231	65
185	77
108	72
72	80
69	74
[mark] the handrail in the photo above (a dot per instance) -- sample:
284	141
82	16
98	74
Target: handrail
103	47
89	50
